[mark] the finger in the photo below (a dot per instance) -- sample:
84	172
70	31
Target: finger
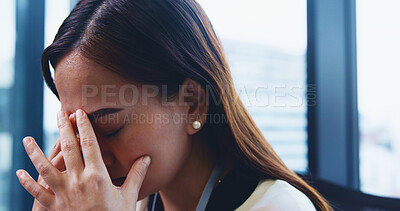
44	184
72	118
136	176
56	149
39	192
41	163
69	146
58	162
90	148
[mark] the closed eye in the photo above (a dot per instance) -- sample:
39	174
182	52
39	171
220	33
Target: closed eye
113	133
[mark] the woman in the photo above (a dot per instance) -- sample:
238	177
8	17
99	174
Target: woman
149	79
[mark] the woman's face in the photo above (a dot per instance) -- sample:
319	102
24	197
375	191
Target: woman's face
129	121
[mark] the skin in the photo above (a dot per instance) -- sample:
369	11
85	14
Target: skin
177	150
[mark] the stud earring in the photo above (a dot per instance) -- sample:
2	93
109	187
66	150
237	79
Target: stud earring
196	125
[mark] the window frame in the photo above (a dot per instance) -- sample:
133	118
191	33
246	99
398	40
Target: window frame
333	129
27	94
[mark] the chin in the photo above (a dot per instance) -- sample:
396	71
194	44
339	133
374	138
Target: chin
143	194
147	189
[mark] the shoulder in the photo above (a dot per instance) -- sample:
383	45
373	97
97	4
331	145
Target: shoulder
277	195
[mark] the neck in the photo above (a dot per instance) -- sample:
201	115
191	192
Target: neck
184	192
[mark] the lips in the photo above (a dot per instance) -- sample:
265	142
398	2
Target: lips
118	181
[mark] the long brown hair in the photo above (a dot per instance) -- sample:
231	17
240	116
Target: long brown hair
163	42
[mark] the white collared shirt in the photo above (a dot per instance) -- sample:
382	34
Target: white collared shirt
276	195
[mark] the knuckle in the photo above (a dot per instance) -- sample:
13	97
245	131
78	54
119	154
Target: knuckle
75	184
139	171
81	121
36	192
80	187
95	179
68	144
62	124
87	141
25	183
43	169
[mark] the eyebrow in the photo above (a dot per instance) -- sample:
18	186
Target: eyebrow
103	112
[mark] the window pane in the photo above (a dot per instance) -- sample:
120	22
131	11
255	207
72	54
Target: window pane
265	42
7	43
56	12
378	33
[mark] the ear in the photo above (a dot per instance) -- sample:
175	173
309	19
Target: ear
195	99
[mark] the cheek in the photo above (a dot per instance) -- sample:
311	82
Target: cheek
168	145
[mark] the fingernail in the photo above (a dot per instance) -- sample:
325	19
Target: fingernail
79	113
60	114
27	141
146	160
18	173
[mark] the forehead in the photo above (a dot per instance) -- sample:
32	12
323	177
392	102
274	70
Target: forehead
78	79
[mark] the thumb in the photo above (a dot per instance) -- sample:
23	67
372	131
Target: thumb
136	176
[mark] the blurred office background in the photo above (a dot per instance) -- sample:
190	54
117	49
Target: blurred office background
319	77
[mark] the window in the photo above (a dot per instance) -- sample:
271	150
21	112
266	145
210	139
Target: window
265	42
56	12
7	43
378	33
